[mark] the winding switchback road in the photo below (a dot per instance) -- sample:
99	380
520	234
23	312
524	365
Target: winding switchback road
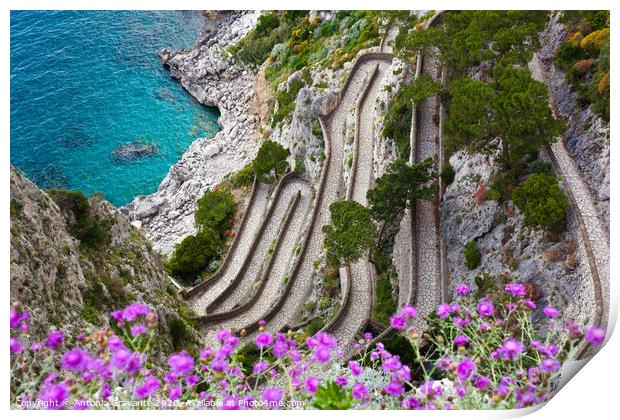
356	309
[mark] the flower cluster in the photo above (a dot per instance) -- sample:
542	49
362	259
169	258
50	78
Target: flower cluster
474	355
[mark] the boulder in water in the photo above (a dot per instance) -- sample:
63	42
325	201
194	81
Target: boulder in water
132	151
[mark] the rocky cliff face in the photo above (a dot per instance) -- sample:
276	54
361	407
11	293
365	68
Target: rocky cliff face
587	135
556	266
212	77
69	286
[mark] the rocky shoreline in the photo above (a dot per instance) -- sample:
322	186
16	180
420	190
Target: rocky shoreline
213	79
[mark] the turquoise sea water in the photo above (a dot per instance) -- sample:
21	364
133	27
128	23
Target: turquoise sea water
86	82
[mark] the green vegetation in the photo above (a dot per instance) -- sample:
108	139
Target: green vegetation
513	108
469	37
91	230
214	209
192	256
323	43
330	396
299	164
542	201
397	123
249	354
180	333
16	209
271	29
270	162
350	233
286	101
400	183
585	58
386	306
243	178
472	255
447	174
423	87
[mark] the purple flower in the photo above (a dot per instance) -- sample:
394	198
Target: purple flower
115	343
223	335
551	312
15	319
515	289
485	308
462	290
398	322
341	381
18	320
595	335
260	367
134	311
411	403
16	346
175	392
355	367
465	368
573	330
206	354
75	360
367	336
263	340
326	339
391	363
483	327
409	311
395	389
126	361
54	395
550	365
181	363
530	304
482	382
106	391
461	340
360	391
137	330
148	388
321	354
117	316
219	364
272	395
54	339
443	310
311	384
431	389
279	348
511	349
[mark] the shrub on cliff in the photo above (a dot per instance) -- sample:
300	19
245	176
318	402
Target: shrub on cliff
400	184
270	162
447	174
192	256
91	230
350	233
542	201
472	255
214	210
